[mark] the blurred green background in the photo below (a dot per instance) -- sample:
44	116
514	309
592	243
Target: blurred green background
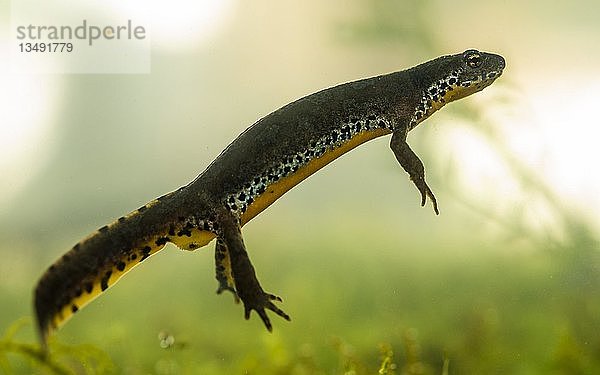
505	281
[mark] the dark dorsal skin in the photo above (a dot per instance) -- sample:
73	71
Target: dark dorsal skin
269	158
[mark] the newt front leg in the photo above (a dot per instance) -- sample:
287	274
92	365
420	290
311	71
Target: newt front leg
246	284
413	166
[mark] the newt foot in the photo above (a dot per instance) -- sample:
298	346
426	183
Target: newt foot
426	192
261	302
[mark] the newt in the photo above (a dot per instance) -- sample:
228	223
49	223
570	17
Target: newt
269	158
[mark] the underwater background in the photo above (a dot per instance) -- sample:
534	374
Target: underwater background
506	280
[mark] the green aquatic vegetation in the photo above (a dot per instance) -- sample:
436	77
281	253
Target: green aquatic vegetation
60	359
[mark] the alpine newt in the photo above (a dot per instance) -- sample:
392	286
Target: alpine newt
275	154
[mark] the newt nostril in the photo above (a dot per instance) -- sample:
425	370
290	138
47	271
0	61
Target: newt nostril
501	62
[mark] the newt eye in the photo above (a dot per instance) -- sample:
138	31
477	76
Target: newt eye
473	59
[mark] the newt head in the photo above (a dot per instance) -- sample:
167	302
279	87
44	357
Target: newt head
453	77
477	71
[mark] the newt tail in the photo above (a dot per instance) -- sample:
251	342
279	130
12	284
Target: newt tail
272	156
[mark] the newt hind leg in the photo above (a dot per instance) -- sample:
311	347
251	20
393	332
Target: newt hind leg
223	272
247	285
